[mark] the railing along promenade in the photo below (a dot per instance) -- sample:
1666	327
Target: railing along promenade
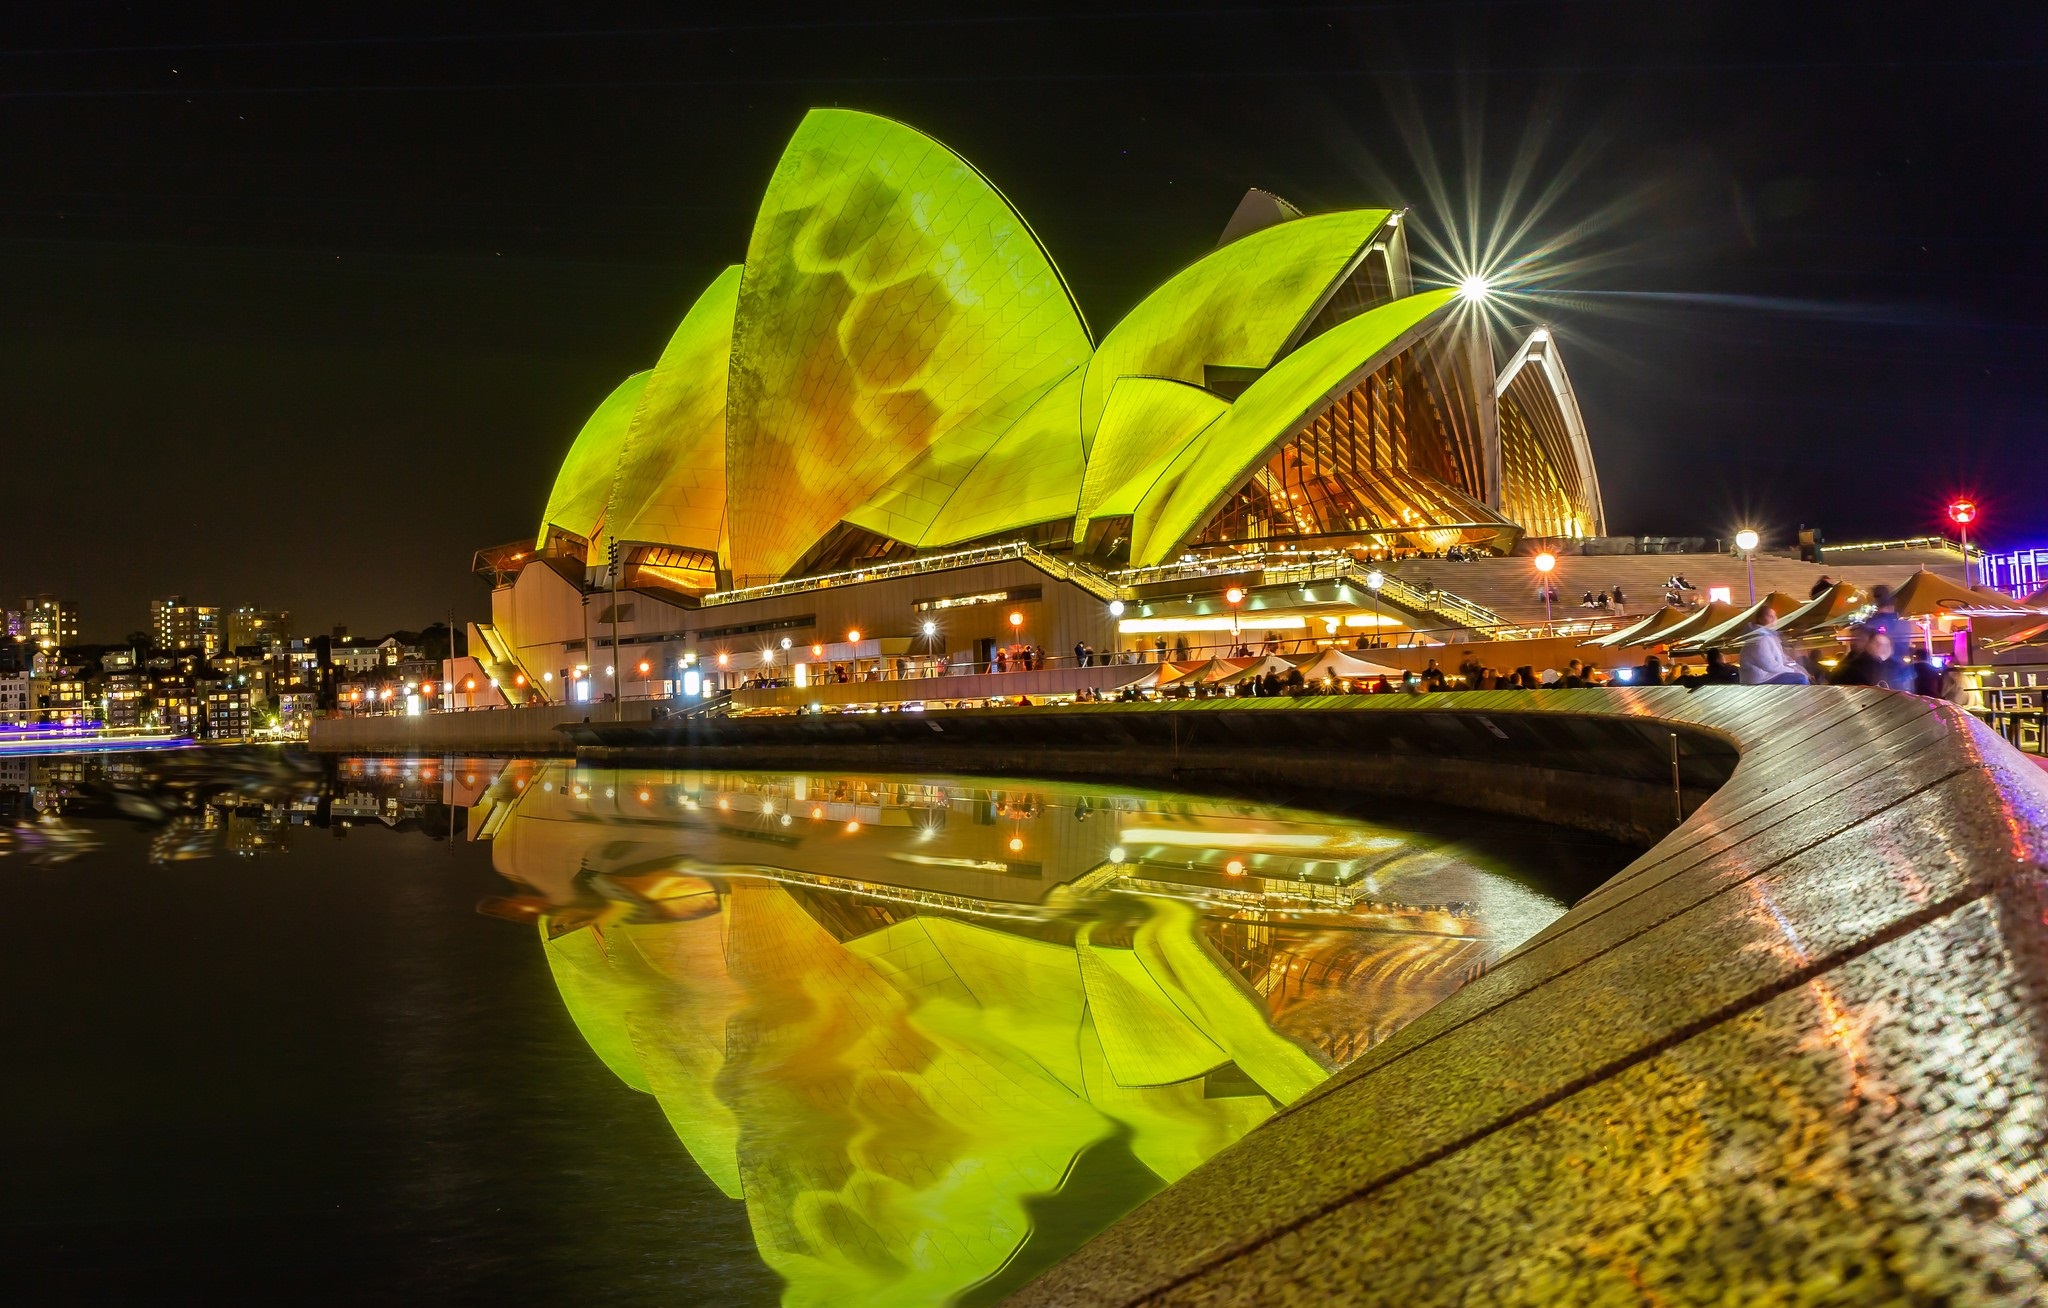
1278	568
1795	1049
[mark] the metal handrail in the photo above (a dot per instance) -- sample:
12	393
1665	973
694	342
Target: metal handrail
1323	566
1087	578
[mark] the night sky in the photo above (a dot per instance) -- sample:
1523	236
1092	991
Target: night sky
301	311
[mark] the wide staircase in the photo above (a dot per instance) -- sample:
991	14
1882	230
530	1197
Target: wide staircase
494	652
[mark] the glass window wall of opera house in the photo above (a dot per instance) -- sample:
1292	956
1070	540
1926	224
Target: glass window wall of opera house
886	445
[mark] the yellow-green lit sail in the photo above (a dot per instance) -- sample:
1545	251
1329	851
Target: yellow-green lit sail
890	294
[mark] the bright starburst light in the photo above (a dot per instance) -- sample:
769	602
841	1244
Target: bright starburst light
1519	233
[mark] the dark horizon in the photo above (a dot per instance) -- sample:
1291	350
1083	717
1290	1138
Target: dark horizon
302	316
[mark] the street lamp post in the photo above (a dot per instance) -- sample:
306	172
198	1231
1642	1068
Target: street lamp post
1747	540
1373	581
1234	597
1963	513
1545	562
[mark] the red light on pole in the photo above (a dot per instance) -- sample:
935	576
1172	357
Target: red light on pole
1963	512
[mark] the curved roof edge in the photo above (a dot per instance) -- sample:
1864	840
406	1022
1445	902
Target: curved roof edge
1059	275
1540	349
1244	304
583	484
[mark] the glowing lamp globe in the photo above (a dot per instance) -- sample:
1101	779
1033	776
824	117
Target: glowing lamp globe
1473	287
1962	512
1545	562
1116	608
1235	595
931	629
1746	540
1016	619
1375	579
853	637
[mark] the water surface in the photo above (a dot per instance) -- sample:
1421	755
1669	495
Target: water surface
520	1031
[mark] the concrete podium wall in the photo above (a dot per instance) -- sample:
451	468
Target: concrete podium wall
485	731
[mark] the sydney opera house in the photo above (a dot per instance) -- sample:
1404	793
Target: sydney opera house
888	437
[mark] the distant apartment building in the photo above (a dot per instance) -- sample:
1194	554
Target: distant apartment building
265	628
294	666
178	625
49	622
61	691
296	709
127	692
225	708
176	704
13	624
359	654
17	696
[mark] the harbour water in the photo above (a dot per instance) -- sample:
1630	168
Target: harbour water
519	1031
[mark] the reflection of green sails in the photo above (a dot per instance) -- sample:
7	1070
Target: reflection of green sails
890	1106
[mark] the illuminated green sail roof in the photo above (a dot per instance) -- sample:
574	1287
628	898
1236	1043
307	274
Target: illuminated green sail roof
910	507
898	354
583	487
1270	411
890	294
1236	307
1147	422
650	463
670	485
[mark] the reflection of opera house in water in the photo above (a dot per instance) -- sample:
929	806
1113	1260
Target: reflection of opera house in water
936	1033
886	443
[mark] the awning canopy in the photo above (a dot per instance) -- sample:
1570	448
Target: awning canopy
1778	602
1337	663
1193	674
1678	633
1257	668
1662	620
1929	595
1824	608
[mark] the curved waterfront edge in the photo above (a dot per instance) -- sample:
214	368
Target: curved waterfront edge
1797	1047
1798	1043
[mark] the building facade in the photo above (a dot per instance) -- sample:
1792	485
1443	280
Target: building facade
248	625
178	624
49	622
